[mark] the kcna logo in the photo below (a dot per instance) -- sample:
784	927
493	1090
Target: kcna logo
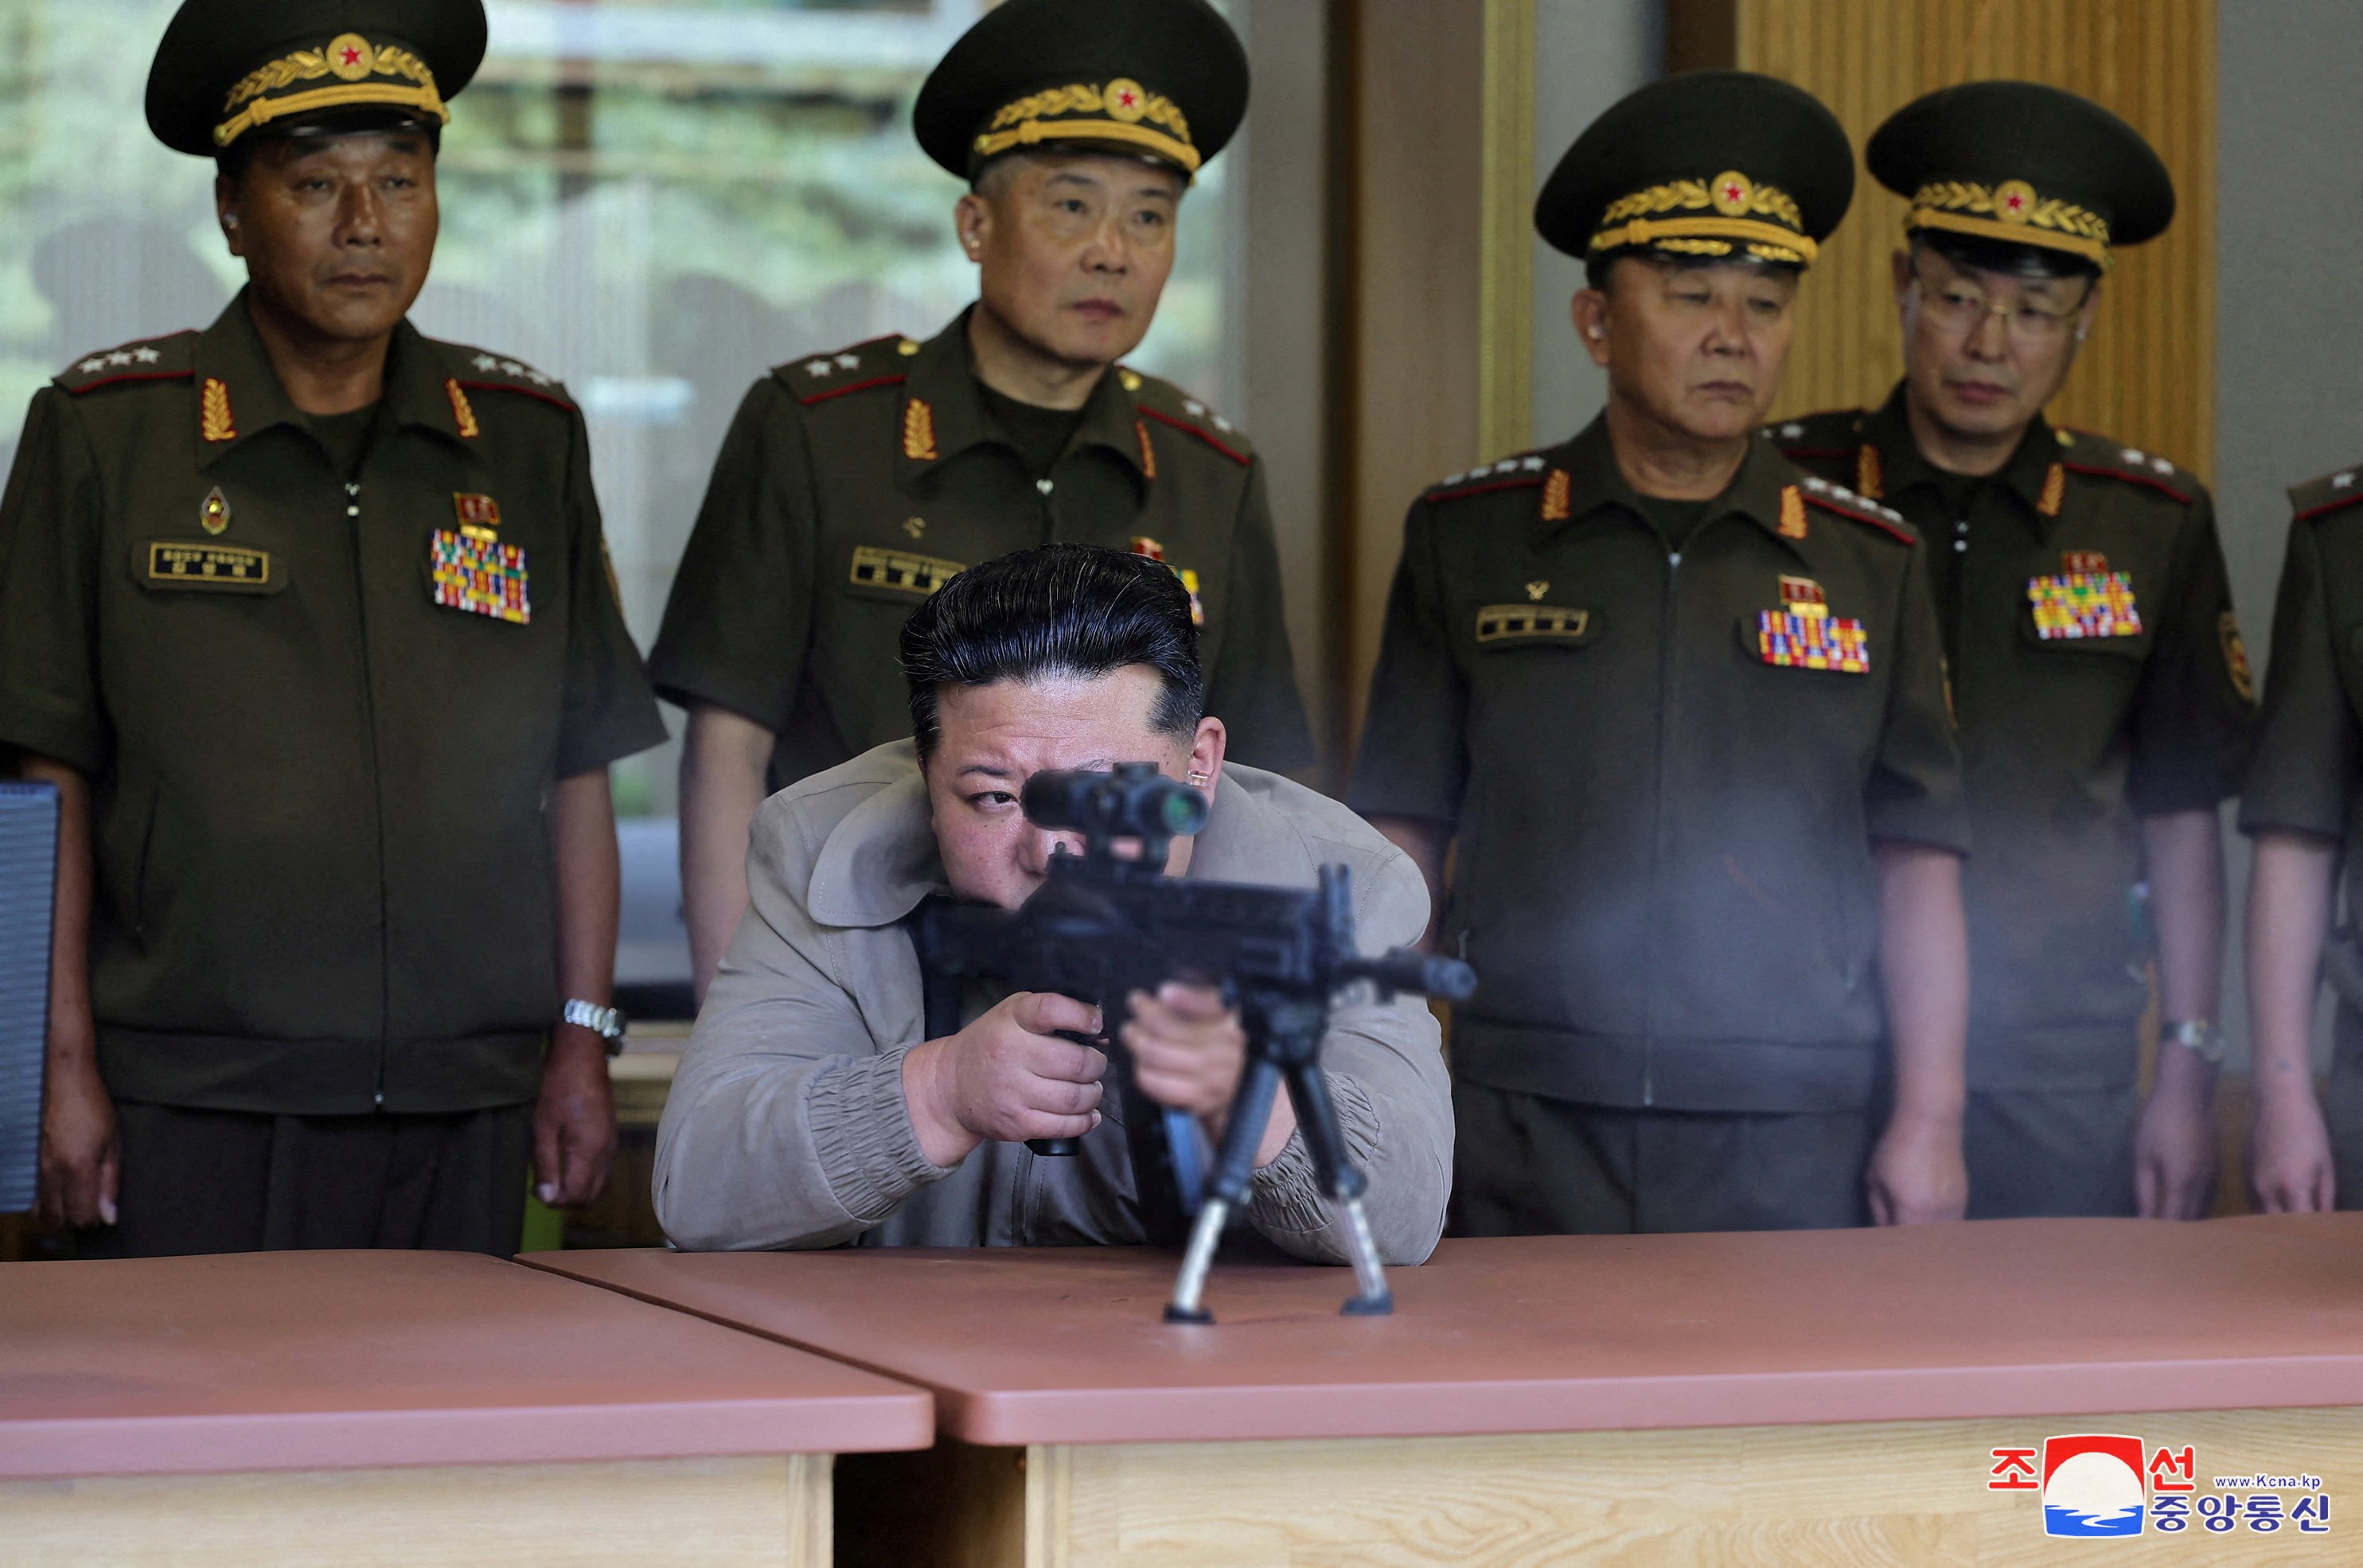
2092	1485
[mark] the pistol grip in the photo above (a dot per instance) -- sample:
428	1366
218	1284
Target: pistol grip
1056	1148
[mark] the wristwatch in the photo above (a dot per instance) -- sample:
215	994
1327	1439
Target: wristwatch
2203	1036
608	1023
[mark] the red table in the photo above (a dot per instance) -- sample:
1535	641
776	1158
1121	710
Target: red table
1808	1397
405	1407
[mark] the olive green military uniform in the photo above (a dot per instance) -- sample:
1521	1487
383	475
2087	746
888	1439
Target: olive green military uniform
323	701
2099	678
1664	767
853	484
2307	774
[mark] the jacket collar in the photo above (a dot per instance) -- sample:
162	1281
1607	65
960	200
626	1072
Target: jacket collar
239	392
942	377
1594	482
1902	466
881	860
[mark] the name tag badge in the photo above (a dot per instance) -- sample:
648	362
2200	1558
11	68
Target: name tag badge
917	575
474	573
223	568
1509	626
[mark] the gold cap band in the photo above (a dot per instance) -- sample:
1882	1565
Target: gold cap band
1649	231
1032	132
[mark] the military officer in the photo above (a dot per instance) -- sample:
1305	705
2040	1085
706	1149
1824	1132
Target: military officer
2102	692
852	483
1681	709
309	618
2303	804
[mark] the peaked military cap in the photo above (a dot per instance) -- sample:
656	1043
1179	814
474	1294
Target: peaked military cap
227	69
1158	79
2023	165
1708	163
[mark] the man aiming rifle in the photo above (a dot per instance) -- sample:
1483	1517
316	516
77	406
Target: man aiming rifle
1109	927
814	1106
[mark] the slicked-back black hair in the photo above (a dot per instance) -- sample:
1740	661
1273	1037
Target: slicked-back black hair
1055	611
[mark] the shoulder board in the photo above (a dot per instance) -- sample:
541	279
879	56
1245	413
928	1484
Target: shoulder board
2083	452
171	357
1833	434
481	370
1516	471
1842	502
1170	405
2331	493
819	377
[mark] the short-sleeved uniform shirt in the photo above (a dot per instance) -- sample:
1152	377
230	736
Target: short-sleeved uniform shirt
2307	773
2099	678
852	485
1665	769
323	713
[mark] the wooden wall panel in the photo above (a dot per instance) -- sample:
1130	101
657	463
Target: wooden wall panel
1410	359
2148	377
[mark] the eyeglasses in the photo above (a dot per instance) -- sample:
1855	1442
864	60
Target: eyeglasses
1963	307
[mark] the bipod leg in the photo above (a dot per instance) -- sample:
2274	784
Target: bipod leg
1233	1168
1317	1122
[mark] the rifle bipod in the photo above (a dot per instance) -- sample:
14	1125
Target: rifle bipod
1290	1051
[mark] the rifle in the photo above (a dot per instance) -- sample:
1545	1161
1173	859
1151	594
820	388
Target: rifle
1104	925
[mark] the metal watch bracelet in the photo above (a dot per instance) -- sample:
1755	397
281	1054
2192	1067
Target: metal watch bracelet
2205	1037
608	1023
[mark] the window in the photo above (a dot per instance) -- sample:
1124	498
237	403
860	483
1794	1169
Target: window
654	201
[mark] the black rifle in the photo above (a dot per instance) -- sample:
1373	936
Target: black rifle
1104	925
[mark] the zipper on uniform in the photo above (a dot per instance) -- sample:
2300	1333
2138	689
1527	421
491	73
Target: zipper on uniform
1665	641
376	792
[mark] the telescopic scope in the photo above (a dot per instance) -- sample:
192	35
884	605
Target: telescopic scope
1133	801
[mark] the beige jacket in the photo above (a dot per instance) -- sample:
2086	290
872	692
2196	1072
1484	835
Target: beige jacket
787	1126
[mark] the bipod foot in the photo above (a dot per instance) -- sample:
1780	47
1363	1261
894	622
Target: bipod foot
1190	1285
1382	1304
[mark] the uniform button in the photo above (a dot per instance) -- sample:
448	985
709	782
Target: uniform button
1043	485
1962	527
353	511
1960	544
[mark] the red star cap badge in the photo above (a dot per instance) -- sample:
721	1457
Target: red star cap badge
351	56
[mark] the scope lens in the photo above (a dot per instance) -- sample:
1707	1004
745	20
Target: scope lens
1185	811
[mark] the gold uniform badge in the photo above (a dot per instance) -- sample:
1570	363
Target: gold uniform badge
2236	656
